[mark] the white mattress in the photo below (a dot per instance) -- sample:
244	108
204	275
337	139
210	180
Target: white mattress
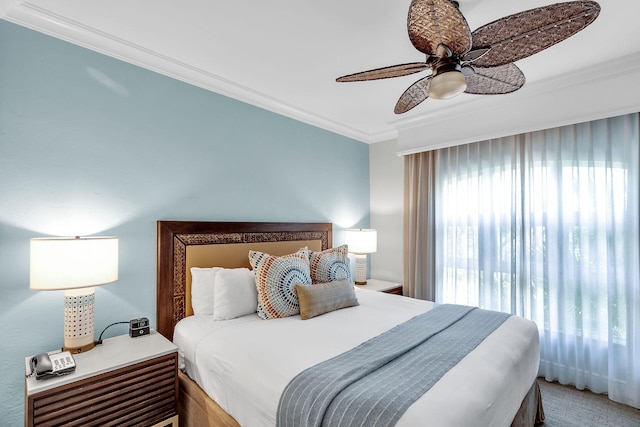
244	364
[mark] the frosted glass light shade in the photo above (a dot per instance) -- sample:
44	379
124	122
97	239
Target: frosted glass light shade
361	240
447	85
70	263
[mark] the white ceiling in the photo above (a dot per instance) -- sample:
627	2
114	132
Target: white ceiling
284	56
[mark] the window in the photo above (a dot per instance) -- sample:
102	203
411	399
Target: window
545	225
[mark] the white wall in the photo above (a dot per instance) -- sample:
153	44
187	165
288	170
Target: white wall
386	189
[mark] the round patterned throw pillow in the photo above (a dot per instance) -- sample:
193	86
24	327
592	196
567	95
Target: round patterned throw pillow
330	265
276	279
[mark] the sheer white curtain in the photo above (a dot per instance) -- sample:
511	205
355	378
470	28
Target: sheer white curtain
546	225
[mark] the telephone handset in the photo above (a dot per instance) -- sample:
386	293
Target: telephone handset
52	365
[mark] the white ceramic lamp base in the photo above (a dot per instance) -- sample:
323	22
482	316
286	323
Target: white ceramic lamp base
361	269
78	320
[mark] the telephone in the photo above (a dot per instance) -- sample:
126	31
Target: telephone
52	365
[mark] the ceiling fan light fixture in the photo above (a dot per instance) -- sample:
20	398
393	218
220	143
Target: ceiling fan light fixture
479	62
447	85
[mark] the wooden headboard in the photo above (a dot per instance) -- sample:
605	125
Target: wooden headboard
183	244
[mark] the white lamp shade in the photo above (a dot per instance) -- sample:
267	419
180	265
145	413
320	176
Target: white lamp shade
361	240
70	263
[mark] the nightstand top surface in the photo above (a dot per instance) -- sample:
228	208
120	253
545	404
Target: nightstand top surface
378	285
113	353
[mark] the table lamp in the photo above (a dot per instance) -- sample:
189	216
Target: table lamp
75	265
361	242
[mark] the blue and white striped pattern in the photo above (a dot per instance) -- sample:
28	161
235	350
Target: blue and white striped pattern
374	383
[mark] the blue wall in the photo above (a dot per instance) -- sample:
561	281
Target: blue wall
90	145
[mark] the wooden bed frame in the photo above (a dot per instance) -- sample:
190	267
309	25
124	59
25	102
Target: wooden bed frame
183	244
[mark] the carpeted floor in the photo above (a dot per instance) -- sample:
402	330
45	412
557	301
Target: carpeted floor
565	406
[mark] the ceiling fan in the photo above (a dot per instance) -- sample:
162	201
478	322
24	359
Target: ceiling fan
479	62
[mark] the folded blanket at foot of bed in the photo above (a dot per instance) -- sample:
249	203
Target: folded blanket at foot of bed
374	383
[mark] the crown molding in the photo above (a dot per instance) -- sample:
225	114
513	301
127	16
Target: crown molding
554	102
605	90
37	18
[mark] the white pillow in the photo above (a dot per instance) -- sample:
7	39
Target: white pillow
202	280
234	293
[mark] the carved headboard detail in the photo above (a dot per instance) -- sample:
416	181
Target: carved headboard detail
175	237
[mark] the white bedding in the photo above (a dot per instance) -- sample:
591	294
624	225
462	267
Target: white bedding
244	364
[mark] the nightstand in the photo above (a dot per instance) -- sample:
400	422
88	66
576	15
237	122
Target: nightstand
123	381
382	286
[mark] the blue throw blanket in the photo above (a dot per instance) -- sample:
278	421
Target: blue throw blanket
374	383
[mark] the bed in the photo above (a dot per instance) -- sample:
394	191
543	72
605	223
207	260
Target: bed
502	392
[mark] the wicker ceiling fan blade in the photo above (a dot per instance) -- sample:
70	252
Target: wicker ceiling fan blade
475	54
523	34
434	22
414	95
385	72
485	57
494	80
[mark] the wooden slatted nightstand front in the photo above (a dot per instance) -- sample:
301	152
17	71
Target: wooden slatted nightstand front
124	381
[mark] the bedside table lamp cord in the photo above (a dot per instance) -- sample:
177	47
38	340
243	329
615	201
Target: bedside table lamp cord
99	341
